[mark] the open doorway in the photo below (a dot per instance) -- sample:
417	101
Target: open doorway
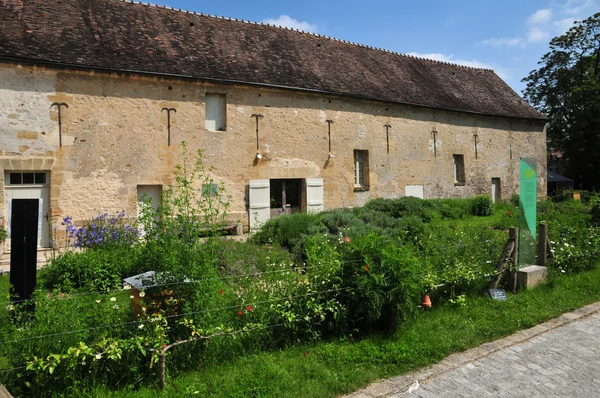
286	196
496	190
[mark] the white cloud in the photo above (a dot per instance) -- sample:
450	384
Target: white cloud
502	41
289	22
573	7
541	16
502	72
563	25
536	35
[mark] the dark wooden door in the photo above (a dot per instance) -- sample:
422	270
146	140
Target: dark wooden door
23	247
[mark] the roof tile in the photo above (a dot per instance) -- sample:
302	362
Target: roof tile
121	35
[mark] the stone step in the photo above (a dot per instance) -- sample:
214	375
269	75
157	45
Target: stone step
43	256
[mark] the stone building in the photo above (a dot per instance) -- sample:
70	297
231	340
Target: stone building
400	125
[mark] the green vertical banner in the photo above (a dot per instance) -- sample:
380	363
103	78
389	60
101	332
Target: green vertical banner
528	212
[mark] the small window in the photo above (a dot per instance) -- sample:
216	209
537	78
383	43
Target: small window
40	178
15	178
215	112
459	169
361	170
26	178
210	190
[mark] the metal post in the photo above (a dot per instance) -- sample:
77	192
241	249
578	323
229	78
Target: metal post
475	136
257	116
329	123
58	106
387	136
513	234
434	132
169	110
542	244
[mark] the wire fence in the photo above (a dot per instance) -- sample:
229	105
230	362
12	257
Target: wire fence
138	322
177	283
13	369
199	338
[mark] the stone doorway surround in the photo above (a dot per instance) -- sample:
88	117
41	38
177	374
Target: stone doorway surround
37	164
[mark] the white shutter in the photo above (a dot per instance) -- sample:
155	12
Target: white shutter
215	112
260	203
414	190
314	195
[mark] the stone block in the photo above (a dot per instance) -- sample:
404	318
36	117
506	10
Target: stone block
531	276
27	135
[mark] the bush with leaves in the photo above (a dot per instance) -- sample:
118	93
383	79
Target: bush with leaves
482	206
383	282
595	209
285	231
574	238
100	269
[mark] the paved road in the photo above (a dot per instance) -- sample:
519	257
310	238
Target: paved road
560	358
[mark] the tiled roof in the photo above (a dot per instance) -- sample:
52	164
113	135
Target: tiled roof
121	35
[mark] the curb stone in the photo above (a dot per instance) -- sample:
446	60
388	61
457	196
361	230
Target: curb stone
399	384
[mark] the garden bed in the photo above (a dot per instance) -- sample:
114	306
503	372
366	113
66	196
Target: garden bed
325	302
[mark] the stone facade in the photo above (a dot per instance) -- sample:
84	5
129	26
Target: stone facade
114	138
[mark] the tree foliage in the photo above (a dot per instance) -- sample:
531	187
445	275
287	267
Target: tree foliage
566	88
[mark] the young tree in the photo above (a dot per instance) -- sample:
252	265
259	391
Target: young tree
567	89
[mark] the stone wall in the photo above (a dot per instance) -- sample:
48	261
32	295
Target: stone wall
114	137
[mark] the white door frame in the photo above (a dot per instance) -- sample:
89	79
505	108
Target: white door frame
30	191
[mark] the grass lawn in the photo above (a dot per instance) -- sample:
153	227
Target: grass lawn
328	369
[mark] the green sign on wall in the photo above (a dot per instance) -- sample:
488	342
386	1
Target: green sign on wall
528	212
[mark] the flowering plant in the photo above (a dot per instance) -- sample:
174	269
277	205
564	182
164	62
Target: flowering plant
102	230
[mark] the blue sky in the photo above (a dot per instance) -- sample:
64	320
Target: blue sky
509	36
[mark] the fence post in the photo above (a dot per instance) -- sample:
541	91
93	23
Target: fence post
513	235
542	244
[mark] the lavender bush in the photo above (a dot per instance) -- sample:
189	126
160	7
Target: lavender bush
103	230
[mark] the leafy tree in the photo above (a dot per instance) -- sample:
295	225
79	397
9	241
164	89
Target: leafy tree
567	89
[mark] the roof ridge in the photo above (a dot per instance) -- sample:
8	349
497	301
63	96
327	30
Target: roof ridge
307	33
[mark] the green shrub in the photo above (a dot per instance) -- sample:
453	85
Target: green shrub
402	207
336	220
482	205
515	199
285	230
452	208
574	239
384	282
595	208
93	270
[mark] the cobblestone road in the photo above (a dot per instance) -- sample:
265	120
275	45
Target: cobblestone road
560	358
